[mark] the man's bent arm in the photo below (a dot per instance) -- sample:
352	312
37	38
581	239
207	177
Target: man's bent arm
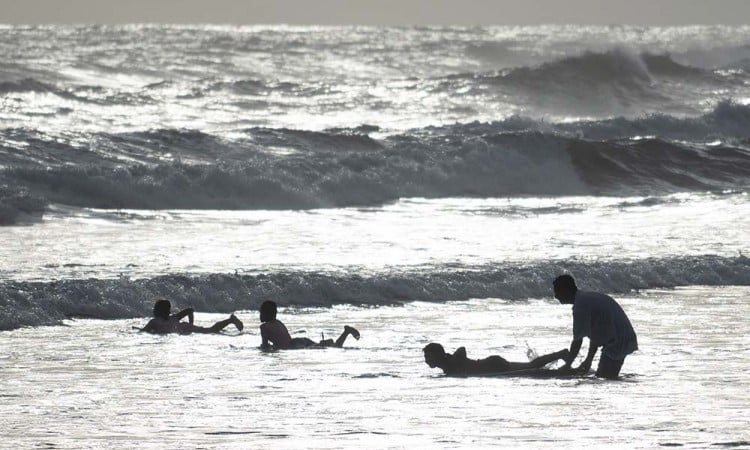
575	347
586	364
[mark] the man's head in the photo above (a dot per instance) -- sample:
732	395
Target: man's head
565	289
268	311
434	355
162	309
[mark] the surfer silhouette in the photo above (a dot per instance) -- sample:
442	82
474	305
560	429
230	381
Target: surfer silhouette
275	335
458	364
164	322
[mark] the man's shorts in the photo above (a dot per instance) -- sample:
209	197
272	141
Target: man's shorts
608	367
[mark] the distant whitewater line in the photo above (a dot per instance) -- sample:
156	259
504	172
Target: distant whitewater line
125	298
618	65
617	79
297	169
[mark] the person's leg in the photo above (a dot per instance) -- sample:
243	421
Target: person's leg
551	357
539	362
220	325
609	368
301	342
340	341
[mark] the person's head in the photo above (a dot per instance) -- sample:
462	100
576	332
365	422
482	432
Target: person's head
268	311
162	309
565	289
434	355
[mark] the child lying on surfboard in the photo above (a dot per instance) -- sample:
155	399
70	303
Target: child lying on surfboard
164	322
275	335
458	364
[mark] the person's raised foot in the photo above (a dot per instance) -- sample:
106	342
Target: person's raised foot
237	322
353	331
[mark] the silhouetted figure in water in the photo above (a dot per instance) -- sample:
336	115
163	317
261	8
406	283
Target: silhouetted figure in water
275	335
602	320
165	322
458	364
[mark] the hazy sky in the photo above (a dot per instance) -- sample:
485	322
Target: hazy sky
378	12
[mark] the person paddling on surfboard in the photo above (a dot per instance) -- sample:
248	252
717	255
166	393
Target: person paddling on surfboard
164	322
458	364
274	334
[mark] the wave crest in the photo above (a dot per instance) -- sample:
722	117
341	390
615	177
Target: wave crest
124	298
298	169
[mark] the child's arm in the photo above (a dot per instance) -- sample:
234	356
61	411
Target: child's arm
149	328
265	344
189	312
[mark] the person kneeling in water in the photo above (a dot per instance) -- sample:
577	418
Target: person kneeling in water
164	322
276	336
458	364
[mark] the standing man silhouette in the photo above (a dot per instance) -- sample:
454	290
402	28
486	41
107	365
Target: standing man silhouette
602	320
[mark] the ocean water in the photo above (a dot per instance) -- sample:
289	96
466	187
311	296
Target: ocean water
94	383
422	184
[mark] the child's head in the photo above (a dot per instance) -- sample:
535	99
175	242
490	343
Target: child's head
434	355
267	311
162	309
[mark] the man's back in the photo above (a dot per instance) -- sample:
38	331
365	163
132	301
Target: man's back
600	317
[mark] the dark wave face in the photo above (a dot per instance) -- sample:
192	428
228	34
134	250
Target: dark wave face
24	85
617	68
616	82
295	169
124	298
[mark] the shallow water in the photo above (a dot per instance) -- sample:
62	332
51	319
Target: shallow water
95	383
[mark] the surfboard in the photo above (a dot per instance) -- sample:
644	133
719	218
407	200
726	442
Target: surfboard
528	373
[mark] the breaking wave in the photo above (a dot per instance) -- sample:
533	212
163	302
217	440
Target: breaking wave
297	169
125	298
614	82
612	67
497	166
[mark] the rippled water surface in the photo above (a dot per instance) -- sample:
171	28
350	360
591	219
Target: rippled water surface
96	383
